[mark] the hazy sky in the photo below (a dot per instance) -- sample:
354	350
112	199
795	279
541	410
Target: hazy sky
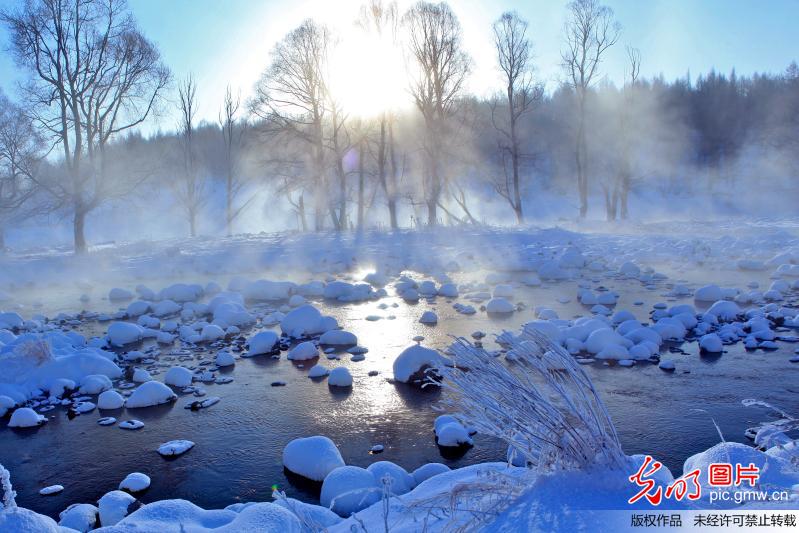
223	42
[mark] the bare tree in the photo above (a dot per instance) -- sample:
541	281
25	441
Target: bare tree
381	19
514	56
190	185
440	68
589	31
628	93
21	150
92	75
292	98
232	135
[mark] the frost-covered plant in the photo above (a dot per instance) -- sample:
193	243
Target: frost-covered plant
783	425
8	502
542	404
37	351
308	523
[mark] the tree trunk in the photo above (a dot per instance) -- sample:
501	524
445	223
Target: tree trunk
517	195
582	178
301	213
78	227
625	191
432	215
361	185
229	206
392	187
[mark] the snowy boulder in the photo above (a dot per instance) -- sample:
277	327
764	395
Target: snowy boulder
630	270
499	306
399	480
338	337
724	311
141	375
303	351
339	377
266	290
114	506
181	292
263	342
178	376
95	384
79	516
6	404
135	482
122	333
452	434
211	333
117	294
166	308
503	291
174	448
426	471
224	359
52	489
708	293
711	343
429	317
666	365
25	417
411	364
110	399
318	371
303	321
137	308
604	338
349	489
448	290
312	457
149	394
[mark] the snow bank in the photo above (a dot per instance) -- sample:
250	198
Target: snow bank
312	457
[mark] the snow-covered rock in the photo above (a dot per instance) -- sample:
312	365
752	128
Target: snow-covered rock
312	457
348	489
110	399
339	377
122	333
399	480
499	306
79	516
429	317
224	358
174	448
94	384
25	417
114	506
338	337
303	351
708	293
413	361
426	471
711	343
263	342
305	320
135	482
149	394
178	376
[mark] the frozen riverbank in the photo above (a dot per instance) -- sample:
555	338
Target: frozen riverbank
547	278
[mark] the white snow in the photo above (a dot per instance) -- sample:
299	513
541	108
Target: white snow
711	343
94	384
338	337
426	471
499	306
79	516
25	417
110	399
312	457
318	371
413	359
339	377
224	358
149	394
303	351
399	480
122	333
262	342
348	489
178	376
135	482
113	507
174	448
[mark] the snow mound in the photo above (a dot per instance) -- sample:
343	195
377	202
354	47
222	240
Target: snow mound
499	306
135	482
149	394
312	457
305	320
338	337
178	376
349	489
79	516
399	480
110	399
174	448
411	363
339	377
303	351
114	506
318	371
262	343
426	471
25	417
224	358
122	333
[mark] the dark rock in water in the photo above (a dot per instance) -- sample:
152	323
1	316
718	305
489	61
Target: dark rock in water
278	383
424	377
303	484
72	413
454	452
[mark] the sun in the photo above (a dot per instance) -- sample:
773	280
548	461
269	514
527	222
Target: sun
367	75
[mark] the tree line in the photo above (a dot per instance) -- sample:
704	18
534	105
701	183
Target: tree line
71	142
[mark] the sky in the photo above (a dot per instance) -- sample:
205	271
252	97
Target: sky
227	42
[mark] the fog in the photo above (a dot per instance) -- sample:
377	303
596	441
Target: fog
333	141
